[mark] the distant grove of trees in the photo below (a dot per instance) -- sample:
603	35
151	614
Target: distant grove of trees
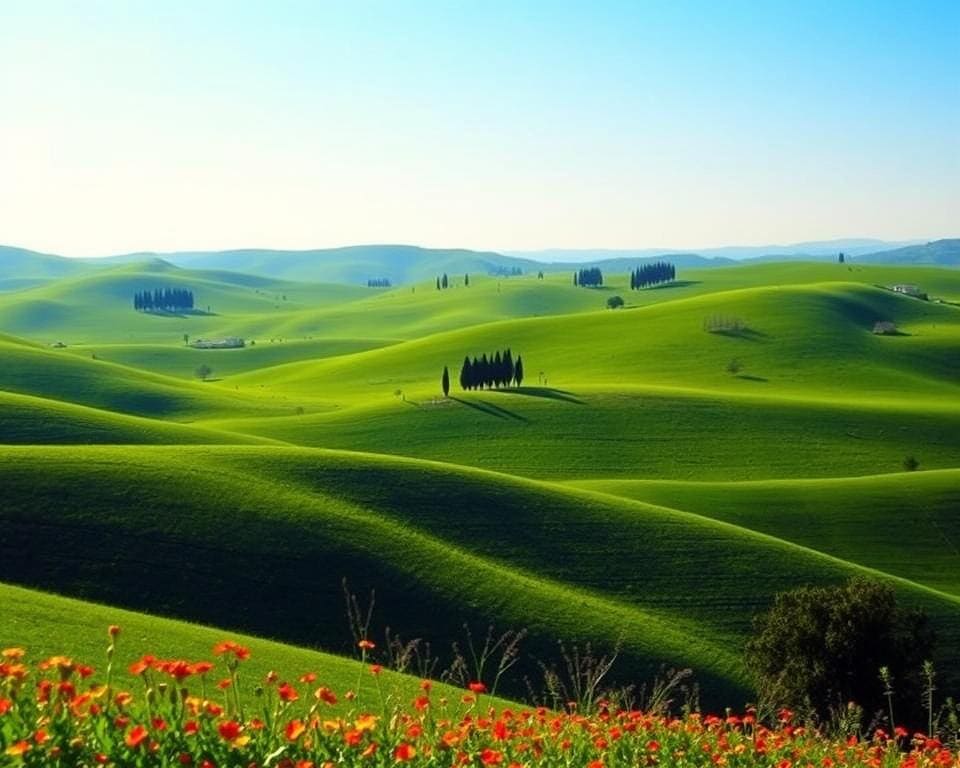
163	299
499	370
652	274
502	271
379	282
590	277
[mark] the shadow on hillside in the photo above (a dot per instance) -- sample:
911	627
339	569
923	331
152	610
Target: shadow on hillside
750	377
674	284
548	392
490	409
743	333
184	313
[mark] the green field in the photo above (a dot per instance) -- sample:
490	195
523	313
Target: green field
638	487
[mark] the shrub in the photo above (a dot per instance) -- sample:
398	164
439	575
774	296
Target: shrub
203	372
818	648
911	464
614	301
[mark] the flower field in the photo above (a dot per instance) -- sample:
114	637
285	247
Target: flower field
174	712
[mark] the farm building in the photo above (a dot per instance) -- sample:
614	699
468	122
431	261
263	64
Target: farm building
884	328
909	290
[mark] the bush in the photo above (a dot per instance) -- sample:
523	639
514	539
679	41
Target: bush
911	464
734	367
203	372
818	648
614	301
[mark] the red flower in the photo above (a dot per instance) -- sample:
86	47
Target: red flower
366	645
375	669
491	757
325	694
135	736
404	752
229	731
113	630
477	687
287	692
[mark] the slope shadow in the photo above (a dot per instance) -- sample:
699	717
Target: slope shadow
490	409
751	377
744	333
547	392
674	284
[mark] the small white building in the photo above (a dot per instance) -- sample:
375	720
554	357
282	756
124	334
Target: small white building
907	289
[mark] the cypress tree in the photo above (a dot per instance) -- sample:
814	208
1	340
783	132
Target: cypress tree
496	376
575	282
443	282
466	280
438	283
465	374
445	382
518	371
508	368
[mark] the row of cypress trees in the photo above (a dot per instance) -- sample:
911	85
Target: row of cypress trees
588	276
499	370
167	299
652	274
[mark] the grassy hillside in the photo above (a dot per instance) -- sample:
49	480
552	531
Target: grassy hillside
47	625
26	420
905	524
57	375
274	530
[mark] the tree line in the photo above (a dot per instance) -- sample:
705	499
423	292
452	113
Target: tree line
652	274
444	282
164	299
588	276
495	371
379	282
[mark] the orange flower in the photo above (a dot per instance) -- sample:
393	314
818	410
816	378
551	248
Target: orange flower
113	630
19	748
308	678
375	669
325	694
228	646
135	736
370	750
366	645
287	692
404	752
294	730
13	653
491	757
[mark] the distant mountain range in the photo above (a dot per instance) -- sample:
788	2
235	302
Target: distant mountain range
21	268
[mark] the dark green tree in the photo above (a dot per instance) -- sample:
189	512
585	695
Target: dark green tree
445	382
818	648
465	374
466	280
518	371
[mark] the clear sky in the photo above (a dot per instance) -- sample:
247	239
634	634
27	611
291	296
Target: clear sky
145	125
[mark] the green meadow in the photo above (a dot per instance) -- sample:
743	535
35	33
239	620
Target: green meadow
663	470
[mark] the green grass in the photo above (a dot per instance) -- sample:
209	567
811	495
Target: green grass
904	524
643	490
257	539
47	625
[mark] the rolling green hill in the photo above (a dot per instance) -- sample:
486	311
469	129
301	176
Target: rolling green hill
48	625
637	485
257	539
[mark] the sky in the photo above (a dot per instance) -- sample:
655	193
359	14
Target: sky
136	125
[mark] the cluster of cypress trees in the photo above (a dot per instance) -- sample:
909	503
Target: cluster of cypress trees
500	370
444	282
589	276
379	282
652	274
164	299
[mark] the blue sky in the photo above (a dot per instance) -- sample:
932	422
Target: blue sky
513	125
